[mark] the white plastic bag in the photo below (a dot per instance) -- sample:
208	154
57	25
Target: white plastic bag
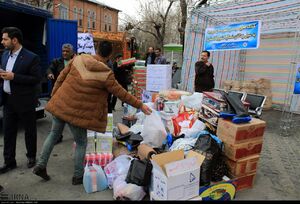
125	191
197	127
136	128
194	101
154	132
119	166
94	179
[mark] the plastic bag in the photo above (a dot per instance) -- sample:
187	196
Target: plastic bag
127	191
154	132
183	120
94	179
136	128
194	101
139	172
183	143
119	166
197	127
210	146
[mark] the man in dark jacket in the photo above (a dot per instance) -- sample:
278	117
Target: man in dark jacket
20	75
150	56
204	79
57	65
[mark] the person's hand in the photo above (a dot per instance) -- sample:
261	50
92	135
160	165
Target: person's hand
146	110
50	76
7	75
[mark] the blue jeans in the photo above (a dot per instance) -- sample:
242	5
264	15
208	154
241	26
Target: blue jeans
80	137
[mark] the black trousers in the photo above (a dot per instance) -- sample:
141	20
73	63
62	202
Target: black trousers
114	98
11	120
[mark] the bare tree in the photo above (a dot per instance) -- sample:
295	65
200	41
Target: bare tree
154	19
181	29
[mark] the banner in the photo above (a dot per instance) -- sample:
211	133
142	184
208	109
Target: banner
297	81
245	35
85	44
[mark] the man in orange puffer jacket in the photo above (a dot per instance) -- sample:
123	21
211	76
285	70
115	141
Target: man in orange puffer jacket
79	98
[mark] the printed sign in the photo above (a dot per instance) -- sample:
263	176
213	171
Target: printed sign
159	77
85	44
237	36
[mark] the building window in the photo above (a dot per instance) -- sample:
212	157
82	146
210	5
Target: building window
89	19
94	20
80	17
75	14
108	22
63	12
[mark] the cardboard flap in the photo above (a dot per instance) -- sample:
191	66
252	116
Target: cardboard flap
200	157
184	165
165	158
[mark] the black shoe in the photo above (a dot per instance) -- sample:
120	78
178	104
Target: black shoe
1	188
59	140
77	180
7	167
31	162
41	172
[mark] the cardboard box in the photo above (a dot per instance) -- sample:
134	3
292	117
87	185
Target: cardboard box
240	133
240	151
175	177
153	198
91	144
104	142
244	166
244	182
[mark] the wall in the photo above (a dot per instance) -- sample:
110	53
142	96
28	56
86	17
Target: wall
99	10
272	61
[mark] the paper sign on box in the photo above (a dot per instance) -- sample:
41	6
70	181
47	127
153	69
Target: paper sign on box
159	77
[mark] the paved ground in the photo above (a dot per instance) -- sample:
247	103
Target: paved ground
278	176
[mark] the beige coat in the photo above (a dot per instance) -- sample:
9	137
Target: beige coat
80	93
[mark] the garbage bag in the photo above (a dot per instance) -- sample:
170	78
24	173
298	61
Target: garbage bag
127	191
94	179
119	166
154	132
139	172
210	147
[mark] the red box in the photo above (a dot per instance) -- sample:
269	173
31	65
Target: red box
244	182
244	166
240	133
240	151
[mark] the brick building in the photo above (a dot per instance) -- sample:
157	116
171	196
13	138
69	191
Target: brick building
90	14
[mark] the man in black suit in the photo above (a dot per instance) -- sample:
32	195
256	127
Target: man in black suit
20	75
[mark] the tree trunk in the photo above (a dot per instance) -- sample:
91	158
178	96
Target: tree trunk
183	7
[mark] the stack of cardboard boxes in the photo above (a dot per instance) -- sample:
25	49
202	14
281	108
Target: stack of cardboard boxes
99	145
242	146
139	80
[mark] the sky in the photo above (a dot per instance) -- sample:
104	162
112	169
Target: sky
126	6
